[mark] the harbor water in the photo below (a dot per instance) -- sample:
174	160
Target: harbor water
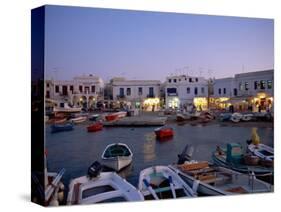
76	150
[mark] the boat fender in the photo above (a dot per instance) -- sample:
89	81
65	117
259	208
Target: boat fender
61	186
60	196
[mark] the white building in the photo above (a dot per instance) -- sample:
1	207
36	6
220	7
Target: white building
183	90
246	90
85	90
143	94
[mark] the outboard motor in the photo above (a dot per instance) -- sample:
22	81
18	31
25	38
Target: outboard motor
186	154
94	170
249	141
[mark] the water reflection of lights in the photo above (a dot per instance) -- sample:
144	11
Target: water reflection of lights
149	147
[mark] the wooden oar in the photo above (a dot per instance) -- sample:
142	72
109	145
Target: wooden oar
172	187
49	191
150	189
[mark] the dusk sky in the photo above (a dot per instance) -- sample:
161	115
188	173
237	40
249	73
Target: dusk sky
152	45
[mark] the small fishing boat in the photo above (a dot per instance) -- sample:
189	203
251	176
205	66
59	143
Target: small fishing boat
209	180
263	151
233	158
101	187
115	116
236	117
160	182
247	117
117	156
111	117
95	127
61	127
94	117
225	116
78	119
47	187
183	117
164	132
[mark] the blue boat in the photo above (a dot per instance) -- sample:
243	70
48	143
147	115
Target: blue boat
232	158
61	127
225	116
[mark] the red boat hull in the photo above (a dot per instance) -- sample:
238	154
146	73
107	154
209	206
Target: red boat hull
111	117
94	127
164	133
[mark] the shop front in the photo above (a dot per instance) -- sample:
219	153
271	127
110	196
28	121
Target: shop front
220	103
173	102
201	103
151	104
262	102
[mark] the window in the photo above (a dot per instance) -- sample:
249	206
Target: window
175	80
128	92
48	94
57	89
121	92
219	91
151	92
262	84
48	85
71	88
171	91
202	90
257	85
190	79
80	88
188	90
64	90
269	84
140	91
235	91
246	86
224	90
196	79
179	80
240	86
195	91
93	89
170	80
185	78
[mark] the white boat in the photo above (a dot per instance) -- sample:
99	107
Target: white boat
65	108
263	151
78	119
236	117
214	180
247	117
160	182
107	187
117	156
121	114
